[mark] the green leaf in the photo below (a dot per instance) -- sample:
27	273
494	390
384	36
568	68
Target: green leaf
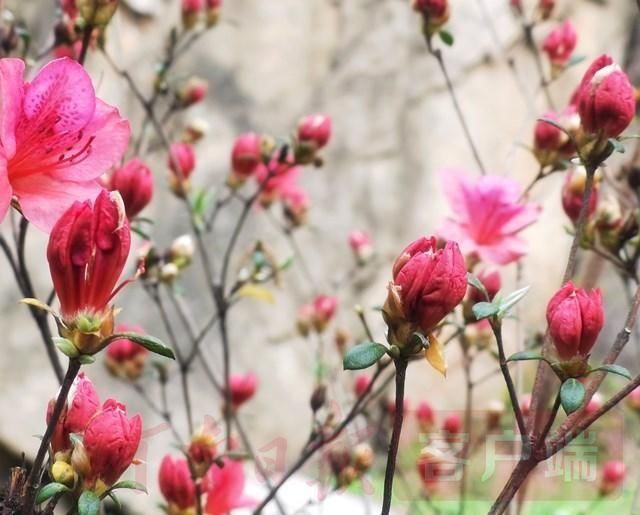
151	343
85	359
145	236
363	355
617	145
484	310
525	355
129	485
446	37
571	395
511	300
286	263
48	491
117	502
89	503
613	369
472	280
65	346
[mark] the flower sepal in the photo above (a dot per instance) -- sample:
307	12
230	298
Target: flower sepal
89	332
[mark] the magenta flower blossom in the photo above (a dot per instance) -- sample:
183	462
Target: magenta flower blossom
56	139
488	216
225	488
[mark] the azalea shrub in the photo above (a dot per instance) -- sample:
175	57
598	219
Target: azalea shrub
81	174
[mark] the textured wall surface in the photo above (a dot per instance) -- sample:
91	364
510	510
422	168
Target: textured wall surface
364	63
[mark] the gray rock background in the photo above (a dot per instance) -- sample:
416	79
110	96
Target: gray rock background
364	63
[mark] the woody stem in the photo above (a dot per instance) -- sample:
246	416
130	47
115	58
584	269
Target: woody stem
33	481
401	371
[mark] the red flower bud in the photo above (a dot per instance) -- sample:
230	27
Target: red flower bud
633	400
202	449
190	11
324	309
551	143
490	279
613	473
315	129
390	407
606	99
295	203
428	282
573	191
431	466
125	358
525	404
431	8
176	485
193	91
111	441
134	182
87	250
361	246
560	43
360	384
425	416
452	424
242	388
82	403
594	404
182	160
246	155
546	8
575	319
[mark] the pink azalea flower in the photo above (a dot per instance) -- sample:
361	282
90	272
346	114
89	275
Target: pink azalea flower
56	139
488	216
225	488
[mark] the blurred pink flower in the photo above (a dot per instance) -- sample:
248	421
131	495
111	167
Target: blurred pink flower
560	44
56	139
225	488
488	216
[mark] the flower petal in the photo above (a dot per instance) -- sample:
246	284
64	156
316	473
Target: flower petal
11	95
5	189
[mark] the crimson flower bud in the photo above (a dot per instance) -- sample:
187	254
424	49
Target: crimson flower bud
125	358
324	309
202	450
431	466
361	246
246	157
360	384
176	485
573	192
594	404
181	161
425	416
575	319
551	144
111	441
212	12
525	404
605	99
435	13
305	319
295	203
315	129
428	283
193	91
82	403
88	248
242	388
490	279
613	473
545	7
134	182
451	426
560	43
190	12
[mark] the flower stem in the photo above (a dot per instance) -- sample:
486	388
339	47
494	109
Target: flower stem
33	481
518	476
401	371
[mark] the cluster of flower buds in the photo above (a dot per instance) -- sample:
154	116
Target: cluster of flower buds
88	248
428	283
166	266
349	465
181	162
223	485
559	46
194	90
124	358
195	10
435	13
317	314
92	445
575	317
134	181
361	246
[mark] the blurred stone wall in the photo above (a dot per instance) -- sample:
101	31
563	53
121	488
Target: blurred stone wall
364	63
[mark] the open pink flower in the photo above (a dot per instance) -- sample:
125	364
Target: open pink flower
225	488
488	216
56	139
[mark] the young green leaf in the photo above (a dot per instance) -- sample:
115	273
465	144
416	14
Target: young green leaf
48	491
65	346
484	310
89	503
472	280
525	355
446	37
613	369
129	485
363	355
85	359
511	300
617	145
571	395
150	343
